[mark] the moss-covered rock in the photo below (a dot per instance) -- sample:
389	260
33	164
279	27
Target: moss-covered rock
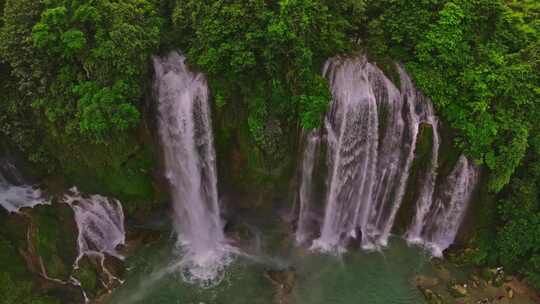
420	166
88	276
55	235
99	275
252	173
22	274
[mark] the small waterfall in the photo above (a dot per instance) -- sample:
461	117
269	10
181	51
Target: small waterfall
441	220
14	193
371	133
185	129
306	187
427	186
100	222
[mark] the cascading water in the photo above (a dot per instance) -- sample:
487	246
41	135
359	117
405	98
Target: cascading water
440	221
427	186
306	187
371	133
14	193
352	128
100	222
405	111
185	129
100	225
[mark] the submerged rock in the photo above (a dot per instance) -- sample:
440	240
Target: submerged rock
431	296
425	281
88	277
458	290
284	282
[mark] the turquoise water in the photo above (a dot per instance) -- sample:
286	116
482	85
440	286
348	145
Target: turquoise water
362	277
356	278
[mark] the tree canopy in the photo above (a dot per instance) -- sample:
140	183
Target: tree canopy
74	76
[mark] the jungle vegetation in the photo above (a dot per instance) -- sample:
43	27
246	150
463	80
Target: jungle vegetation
75	77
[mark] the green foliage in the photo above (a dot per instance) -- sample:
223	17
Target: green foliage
19	292
479	61
16	287
102	48
517	245
74	73
270	52
471	58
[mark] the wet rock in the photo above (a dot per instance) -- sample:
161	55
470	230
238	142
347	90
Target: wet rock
283	281
88	276
115	266
488	273
431	296
494	276
53	232
458	291
425	281
354	241
240	232
509	292
99	275
285	278
137	238
442	272
66	292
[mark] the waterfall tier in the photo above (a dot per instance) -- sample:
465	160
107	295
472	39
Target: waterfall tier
305	217
371	133
100	222
437	225
185	130
14	192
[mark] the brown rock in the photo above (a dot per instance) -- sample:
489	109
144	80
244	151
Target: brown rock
425	281
283	281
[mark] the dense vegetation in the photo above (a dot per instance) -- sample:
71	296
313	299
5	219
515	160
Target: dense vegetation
75	75
479	62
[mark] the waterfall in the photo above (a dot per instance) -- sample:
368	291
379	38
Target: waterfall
100	222
100	225
185	129
371	133
441	220
306	186
352	128
14	193
398	149
427	186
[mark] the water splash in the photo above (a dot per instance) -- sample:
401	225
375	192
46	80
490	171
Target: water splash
185	129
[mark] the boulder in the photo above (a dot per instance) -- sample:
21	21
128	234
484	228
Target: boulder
88	276
283	281
425	281
431	296
458	291
509	292
115	266
284	278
